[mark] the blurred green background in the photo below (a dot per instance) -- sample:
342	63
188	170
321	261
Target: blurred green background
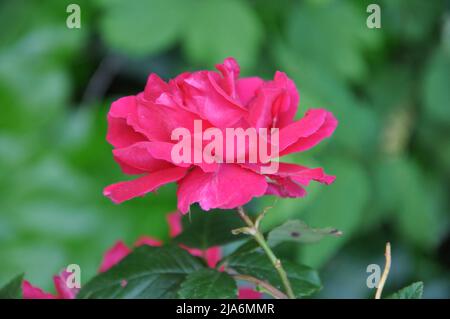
389	88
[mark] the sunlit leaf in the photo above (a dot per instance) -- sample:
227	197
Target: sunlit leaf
208	284
300	232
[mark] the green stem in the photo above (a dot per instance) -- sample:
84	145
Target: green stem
259	237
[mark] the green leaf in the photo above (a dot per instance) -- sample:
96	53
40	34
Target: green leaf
148	272
410	197
13	289
298	231
411	21
304	280
246	247
435	87
219	29
206	229
208	284
143	26
413	291
341	26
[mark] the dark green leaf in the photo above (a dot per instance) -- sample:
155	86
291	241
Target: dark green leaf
208	284
435	87
413	291
206	229
247	247
13	289
304	280
148	272
410	21
298	231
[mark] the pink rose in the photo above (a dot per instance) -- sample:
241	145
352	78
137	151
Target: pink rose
119	251
140	129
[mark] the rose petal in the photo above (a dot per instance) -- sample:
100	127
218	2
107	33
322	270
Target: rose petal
114	255
230	71
302	135
138	159
31	292
123	191
285	187
248	293
63	291
149	241
157	121
260	113
155	87
175	226
204	96
212	256
286	115
304	175
230	186
247	88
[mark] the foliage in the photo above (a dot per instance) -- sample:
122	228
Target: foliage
413	291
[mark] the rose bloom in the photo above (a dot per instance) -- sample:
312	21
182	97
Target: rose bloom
118	252
140	128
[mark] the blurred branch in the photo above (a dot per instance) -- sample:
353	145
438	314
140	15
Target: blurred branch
387	267
101	79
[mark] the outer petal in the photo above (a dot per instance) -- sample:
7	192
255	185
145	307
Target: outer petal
248	293
114	255
288	180
123	191
149	241
230	71
120	132
230	186
175	226
304	134
304	175
212	256
155	87
138	159
62	290
31	292
285	187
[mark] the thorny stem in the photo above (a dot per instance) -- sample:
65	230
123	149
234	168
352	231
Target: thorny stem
259	237
268	287
385	274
